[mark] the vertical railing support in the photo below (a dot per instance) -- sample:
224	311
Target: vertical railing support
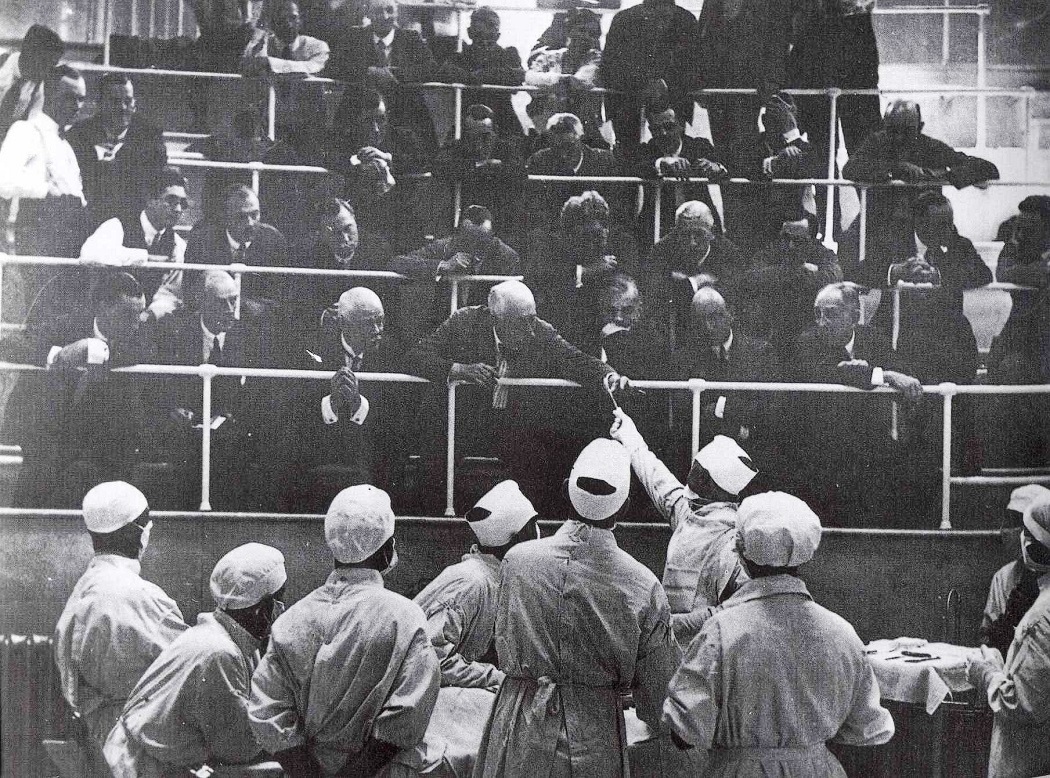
949	390
256	176
208	372
946	44
982	82
107	30
895	335
696	386
453	304
833	138
1	293
457	121
862	250
271	111
657	206
450	453
238	273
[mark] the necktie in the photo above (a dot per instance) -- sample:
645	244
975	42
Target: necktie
163	243
354	362
240	256
216	351
383	53
499	394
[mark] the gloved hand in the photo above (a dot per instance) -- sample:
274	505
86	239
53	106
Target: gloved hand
625	432
980	671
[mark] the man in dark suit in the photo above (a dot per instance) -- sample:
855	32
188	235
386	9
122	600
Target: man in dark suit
118	151
384	56
532	428
78	423
567	155
207	332
650	58
672	154
240	238
344	432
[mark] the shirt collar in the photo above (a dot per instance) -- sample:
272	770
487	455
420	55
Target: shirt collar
97	332
792	135
149	232
851	343
920	247
353	576
47	124
578	165
729	341
488	560
678	151
116	560
388	40
588	533
346	348
242	638
234	245
770	586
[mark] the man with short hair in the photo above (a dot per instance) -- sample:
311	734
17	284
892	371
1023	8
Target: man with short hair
579	624
772	677
241	237
120	153
149	236
703	569
349	679
115	623
22	75
190	708
281	47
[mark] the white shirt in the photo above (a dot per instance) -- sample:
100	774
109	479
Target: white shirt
36	162
878	377
327	411
303	55
108	150
234	245
208	338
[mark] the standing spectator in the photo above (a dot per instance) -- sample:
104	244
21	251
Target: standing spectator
40	169
900	152
650	60
191	706
669	155
281	48
22	75
484	61
225	27
115	623
119	152
808	679
570	67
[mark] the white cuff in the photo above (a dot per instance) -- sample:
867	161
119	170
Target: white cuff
878	377
52	354
720	407
767	166
327	411
362	412
579	276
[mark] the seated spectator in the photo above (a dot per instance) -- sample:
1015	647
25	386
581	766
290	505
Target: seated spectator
672	154
225	30
373	156
650	59
489	170
1024	260
39	167
566	155
691	256
472	249
385	56
585	248
191	706
532	430
78	423
336	242
208	331
341	433
484	61
151	235
776	302
332	21
22	75
119	152
241	238
571	67
900	152
754	212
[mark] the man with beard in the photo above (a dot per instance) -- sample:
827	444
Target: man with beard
585	249
118	151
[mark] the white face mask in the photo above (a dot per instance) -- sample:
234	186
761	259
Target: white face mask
391	566
144	538
1035	567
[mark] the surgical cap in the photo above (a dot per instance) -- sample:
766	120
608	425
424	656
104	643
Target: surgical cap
778	530
246	575
727	463
600	480
1037	522
502	512
111	505
359	521
1024	497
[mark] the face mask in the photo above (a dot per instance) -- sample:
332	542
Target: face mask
393	563
1035	567
278	608
144	538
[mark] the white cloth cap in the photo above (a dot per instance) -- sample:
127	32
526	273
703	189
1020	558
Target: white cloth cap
502	512
1024	497
359	521
111	505
247	574
778	529
728	464
600	480
1037	521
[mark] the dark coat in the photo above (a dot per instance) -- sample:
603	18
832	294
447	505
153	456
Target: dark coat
500	66
746	47
692	149
545	199
121	187
207	244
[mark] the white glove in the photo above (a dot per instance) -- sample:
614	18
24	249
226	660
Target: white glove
626	433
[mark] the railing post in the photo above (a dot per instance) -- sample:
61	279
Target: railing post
696	386
945	36
862	250
457	121
238	270
457	202
207	374
134	18
152	18
982	82
256	176
1	293
949	390
657	206
107	29
895	292
450	453
271	113
833	137
453	305
1028	128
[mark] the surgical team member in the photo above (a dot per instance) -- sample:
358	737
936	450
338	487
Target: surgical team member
1019	692
115	623
773	676
703	567
349	679
580	623
460	606
191	706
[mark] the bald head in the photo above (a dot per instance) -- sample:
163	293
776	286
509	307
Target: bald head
513	309
711	317
694	210
218	301
903	121
837	311
361	319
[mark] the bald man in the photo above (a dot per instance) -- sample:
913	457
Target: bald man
347	431
532	428
208	332
900	152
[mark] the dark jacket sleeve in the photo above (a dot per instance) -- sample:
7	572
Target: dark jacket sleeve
433	356
569	362
421	263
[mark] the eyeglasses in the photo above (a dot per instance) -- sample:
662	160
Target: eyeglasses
175	200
